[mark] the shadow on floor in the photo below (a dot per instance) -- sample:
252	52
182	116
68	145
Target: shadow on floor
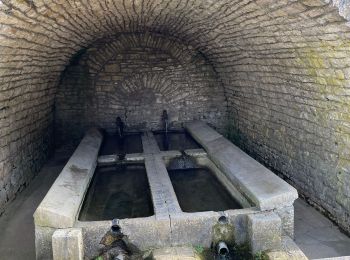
316	235
16	224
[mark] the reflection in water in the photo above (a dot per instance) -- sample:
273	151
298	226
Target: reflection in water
129	143
120	191
172	140
199	190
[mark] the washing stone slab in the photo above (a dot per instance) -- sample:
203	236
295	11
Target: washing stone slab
163	194
202	131
61	204
261	186
149	143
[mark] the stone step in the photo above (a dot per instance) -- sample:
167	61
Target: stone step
175	253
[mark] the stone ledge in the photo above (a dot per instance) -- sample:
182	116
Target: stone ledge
149	143
260	185
175	253
106	160
61	204
196	152
163	194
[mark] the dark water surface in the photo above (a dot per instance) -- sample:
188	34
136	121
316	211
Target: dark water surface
199	190
175	141
112	144
120	191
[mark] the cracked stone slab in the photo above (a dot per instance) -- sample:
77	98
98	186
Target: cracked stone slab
61	204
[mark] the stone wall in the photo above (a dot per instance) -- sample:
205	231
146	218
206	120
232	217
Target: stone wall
290	106
284	65
136	77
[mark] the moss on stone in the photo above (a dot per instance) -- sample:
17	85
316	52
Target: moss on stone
232	132
224	232
237	252
261	256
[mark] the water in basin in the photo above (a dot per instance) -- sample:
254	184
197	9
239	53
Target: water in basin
198	189
176	140
120	191
112	144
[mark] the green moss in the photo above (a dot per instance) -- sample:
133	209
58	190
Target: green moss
242	252
261	256
314	60
205	254
223	232
199	249
232	132
239	252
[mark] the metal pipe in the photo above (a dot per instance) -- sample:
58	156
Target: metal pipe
120	257
222	249
120	127
165	120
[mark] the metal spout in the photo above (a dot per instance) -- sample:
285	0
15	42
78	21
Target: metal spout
222	249
165	119
120	127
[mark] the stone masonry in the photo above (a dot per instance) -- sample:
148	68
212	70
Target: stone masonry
137	76
284	67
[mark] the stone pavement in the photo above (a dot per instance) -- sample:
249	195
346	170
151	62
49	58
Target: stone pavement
316	235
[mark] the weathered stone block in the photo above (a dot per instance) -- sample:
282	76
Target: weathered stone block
43	244
264	231
67	244
287	217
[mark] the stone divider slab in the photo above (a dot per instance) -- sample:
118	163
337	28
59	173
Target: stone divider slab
163	194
